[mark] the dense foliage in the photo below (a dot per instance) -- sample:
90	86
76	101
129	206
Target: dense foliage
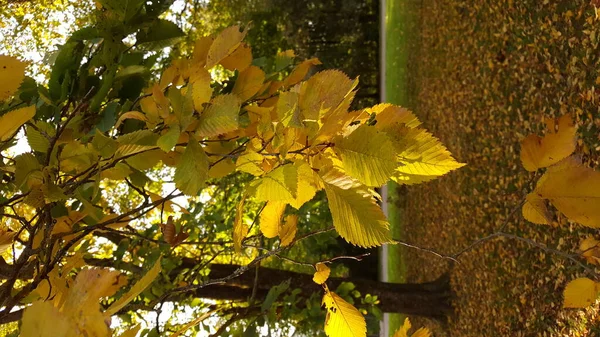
125	192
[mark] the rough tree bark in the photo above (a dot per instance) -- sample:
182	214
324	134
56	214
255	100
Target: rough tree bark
431	299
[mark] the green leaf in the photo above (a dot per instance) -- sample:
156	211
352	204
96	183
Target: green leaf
162	33
220	117
273	294
192	171
367	155
168	141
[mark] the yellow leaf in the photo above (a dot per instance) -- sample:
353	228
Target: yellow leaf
356	215
580	293
299	73
135	290
574	190
288	110
287	231
535	210
343	319
201	89
43	319
82	294
224	44
306	185
250	162
240	228
389	115
6	239
12	73
590	250
278	185
322	273
323	91
403	331
11	121
201	48
421	155
239	60
270	218
367	155
537	152
220	117
248	83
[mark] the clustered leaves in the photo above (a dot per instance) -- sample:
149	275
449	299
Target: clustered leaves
570	187
293	134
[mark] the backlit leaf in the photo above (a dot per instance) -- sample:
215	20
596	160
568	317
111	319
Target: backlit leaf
240	228
201	89
224	44
239	60
580	293
356	215
12	73
248	83
220	117
324	90
192	171
270	218
421	155
538	152
168	140
322	273
11	121
135	290
343	319
278	185
300	72
403	331
367	155
287	231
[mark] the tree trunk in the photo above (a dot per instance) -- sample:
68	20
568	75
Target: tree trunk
431	299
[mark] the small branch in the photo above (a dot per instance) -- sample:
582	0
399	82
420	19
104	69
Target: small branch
427	250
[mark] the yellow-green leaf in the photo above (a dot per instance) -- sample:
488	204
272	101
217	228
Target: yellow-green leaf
248	83
11	121
322	273
356	215
168	140
270	218
538	152
343	319
278	185
250	162
580	293
220	117
287	231
12	73
367	155
224	44
135	290
192	170
421	155
574	190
